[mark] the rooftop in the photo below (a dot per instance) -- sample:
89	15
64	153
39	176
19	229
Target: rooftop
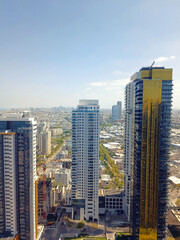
150	68
88	102
174	179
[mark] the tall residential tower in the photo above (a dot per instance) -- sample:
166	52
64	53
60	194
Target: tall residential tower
148	119
18	213
117	111
85	159
45	142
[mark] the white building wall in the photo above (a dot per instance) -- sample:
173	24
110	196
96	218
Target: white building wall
68	197
63	177
85	161
33	178
128	146
45	142
10	183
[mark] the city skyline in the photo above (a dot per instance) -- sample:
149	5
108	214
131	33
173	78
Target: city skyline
119	166
59	52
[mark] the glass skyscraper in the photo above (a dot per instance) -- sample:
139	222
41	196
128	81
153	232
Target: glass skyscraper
117	111
149	159
18	195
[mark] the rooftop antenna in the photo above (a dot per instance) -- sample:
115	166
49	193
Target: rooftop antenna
152	64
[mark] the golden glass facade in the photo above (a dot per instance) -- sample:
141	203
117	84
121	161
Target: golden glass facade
150	158
157	74
152	124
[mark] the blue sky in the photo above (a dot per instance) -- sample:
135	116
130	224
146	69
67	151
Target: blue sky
58	51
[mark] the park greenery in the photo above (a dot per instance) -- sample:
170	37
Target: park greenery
56	143
39	159
87	238
111	167
123	236
104	125
80	225
70	224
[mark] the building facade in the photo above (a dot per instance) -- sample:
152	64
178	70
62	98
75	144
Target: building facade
128	147
117	111
111	204
151	142
45	142
18	214
63	176
85	158
44	199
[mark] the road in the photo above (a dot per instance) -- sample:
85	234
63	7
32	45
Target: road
173	225
49	160
54	155
89	228
54	234
47	234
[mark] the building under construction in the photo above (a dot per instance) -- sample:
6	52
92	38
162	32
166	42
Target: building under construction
44	199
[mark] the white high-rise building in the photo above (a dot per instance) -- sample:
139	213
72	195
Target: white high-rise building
44	138
18	214
128	146
85	159
45	142
9	182
41	127
117	111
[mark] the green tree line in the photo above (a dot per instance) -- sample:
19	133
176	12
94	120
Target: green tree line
111	167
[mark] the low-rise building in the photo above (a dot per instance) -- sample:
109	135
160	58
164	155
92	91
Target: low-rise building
112	204
62	154
66	163
56	131
63	176
174	180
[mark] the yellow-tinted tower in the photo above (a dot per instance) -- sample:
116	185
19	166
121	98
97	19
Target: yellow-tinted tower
152	118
